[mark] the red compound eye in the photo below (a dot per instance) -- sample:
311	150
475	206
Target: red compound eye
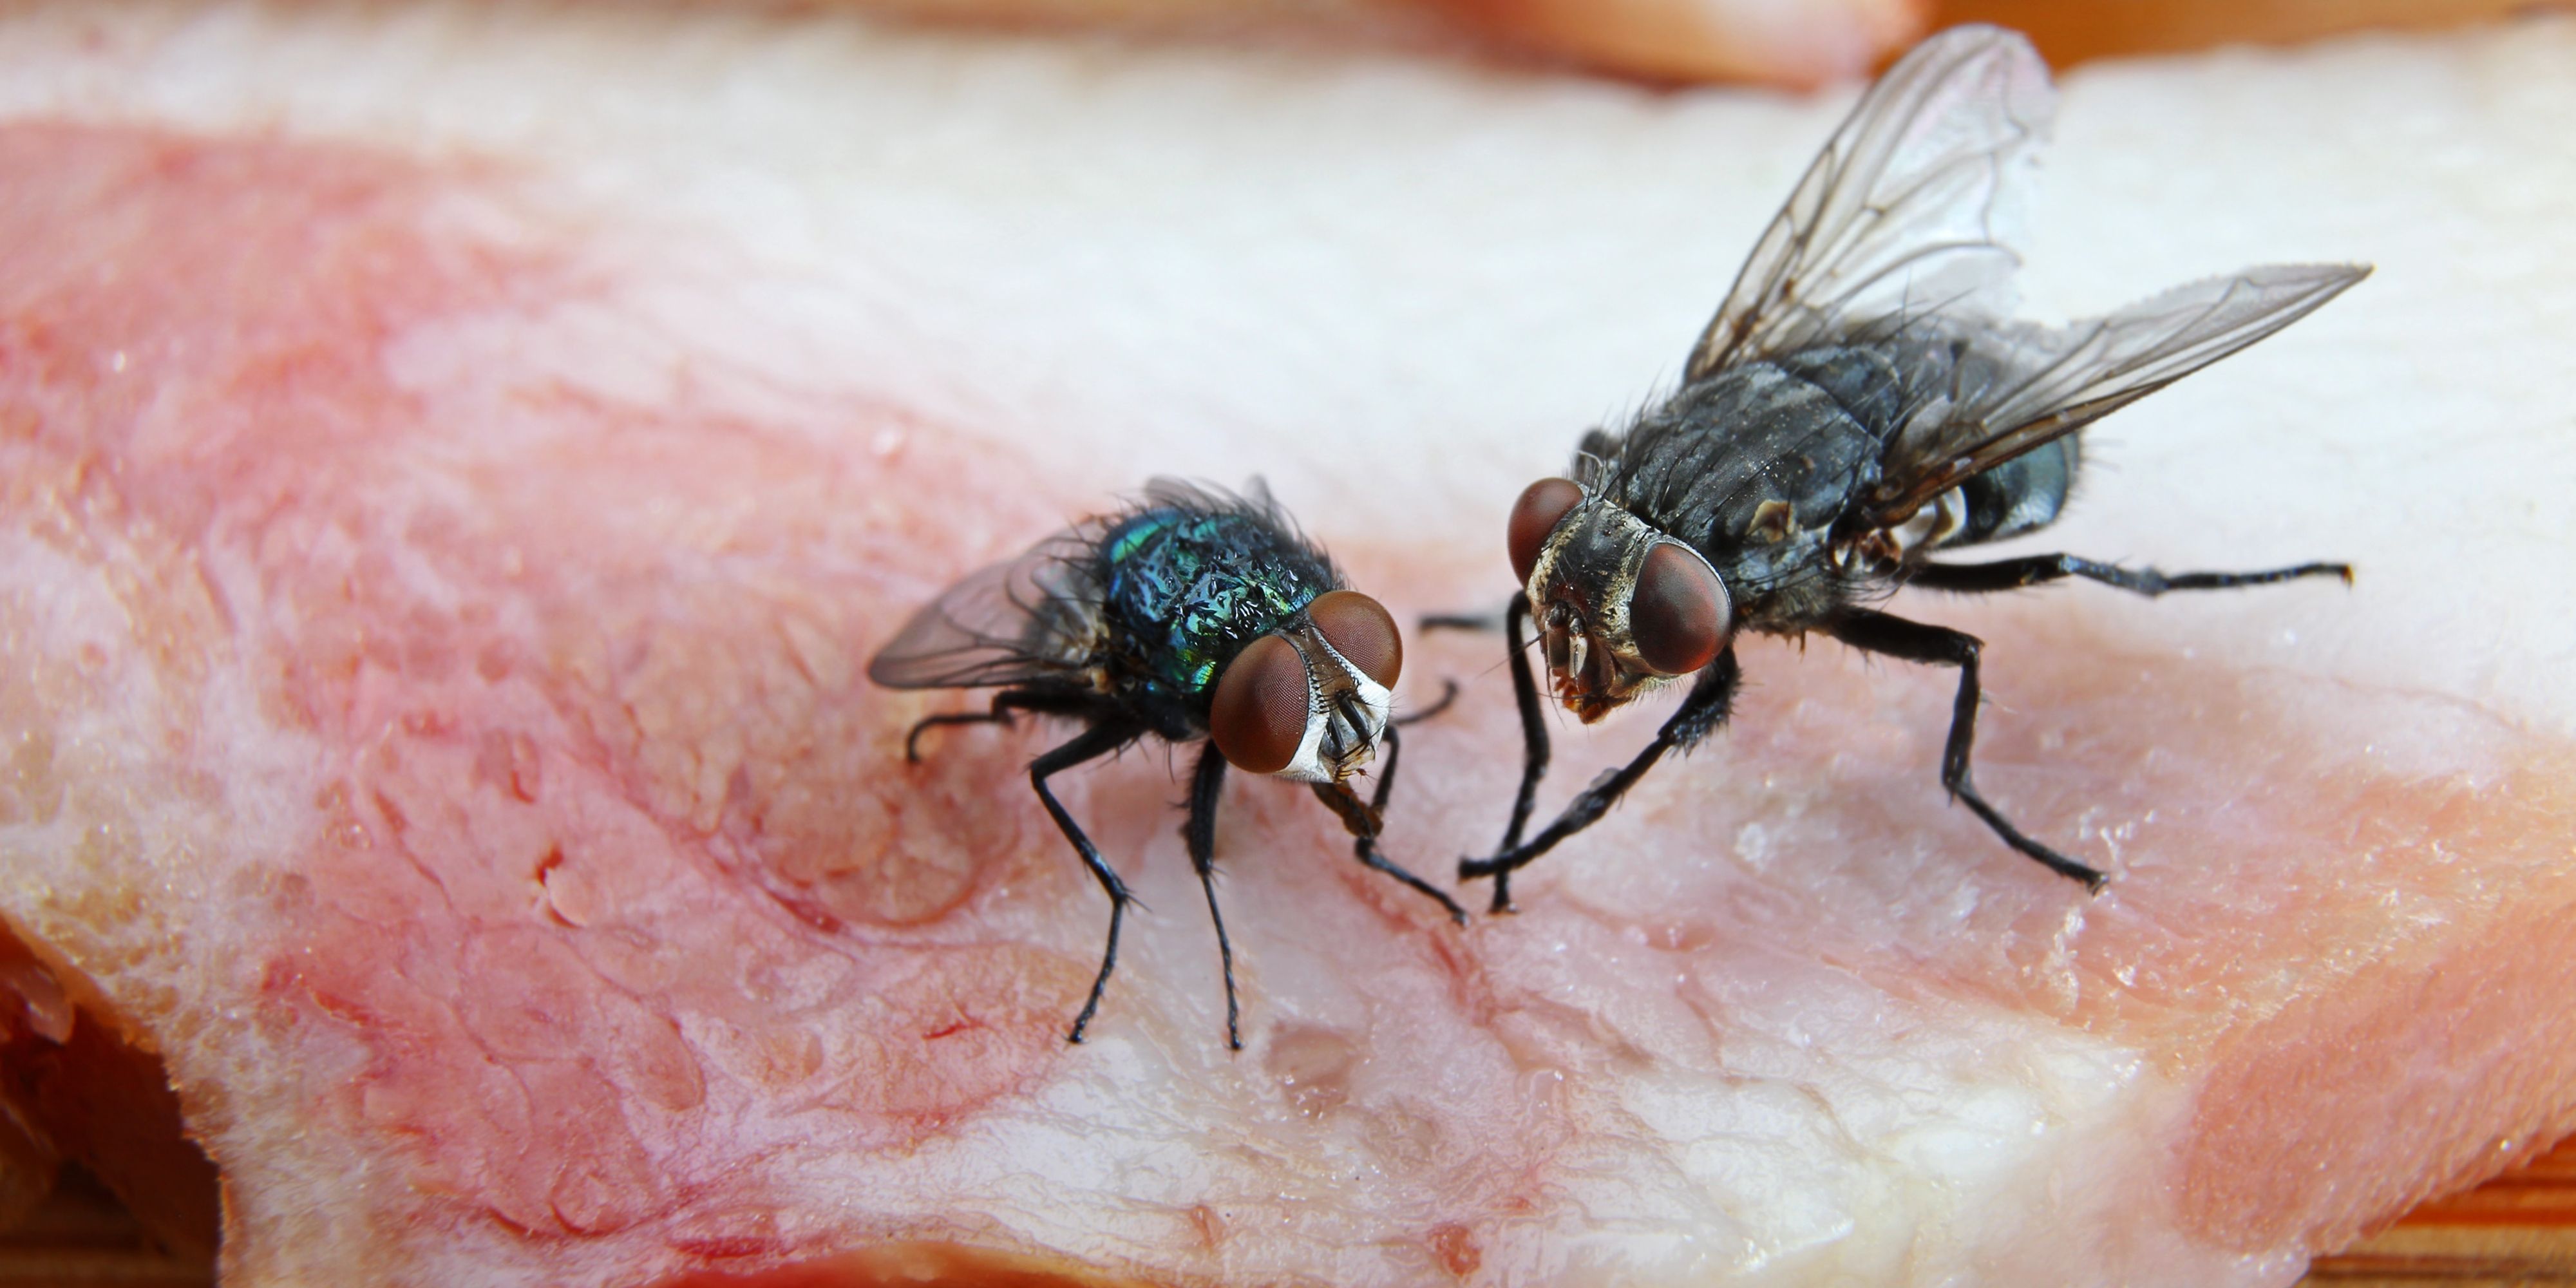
1542	506
1360	629
1679	615
1259	716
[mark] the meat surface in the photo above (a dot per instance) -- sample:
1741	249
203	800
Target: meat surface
457	463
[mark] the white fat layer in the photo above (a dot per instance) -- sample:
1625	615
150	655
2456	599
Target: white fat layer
1307	766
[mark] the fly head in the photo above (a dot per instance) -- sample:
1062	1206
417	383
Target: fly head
1308	702
1621	608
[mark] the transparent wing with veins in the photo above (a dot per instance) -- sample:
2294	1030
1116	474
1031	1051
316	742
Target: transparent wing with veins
1033	617
2015	387
1914	205
1039	616
1903	234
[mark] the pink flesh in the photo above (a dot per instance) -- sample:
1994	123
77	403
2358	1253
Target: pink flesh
464	775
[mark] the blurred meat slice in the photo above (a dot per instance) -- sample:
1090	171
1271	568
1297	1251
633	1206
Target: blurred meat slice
453	466
2068	34
1778	42
1802	44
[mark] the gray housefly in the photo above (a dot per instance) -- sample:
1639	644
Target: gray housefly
1861	402
1190	614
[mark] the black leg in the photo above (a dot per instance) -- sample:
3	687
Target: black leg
1534	745
1365	821
2013	574
1710	699
1004	703
1366	848
1386	771
1095	742
1534	748
1198	832
912	740
1460	622
1448	695
1876	632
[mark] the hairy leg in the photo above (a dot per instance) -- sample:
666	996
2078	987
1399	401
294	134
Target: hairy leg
1004	703
1877	632
1091	744
1198	831
1449	690
1364	821
1702	711
2034	570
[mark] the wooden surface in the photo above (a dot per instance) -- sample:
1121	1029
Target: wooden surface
2072	33
2518	1229
83	1236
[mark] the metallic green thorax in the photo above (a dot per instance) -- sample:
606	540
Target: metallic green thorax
1187	589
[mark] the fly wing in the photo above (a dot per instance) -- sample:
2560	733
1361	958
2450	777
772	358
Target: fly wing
2018	386
1912	208
1030	618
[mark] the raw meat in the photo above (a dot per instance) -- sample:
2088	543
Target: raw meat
457	460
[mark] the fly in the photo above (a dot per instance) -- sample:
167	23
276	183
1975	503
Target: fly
1862	402
1191	614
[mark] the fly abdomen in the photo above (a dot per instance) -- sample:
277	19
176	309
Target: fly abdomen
2021	495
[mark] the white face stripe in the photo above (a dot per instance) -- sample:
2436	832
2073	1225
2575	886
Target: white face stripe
1308	766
